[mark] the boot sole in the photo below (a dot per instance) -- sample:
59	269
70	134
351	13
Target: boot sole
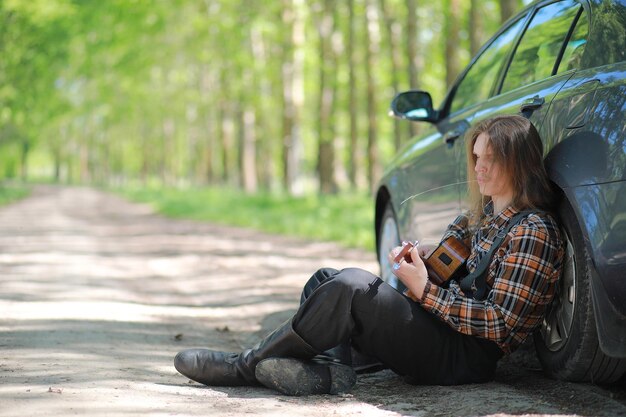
305	377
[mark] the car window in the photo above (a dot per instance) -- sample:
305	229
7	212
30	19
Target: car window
575	44
608	35
541	44
476	85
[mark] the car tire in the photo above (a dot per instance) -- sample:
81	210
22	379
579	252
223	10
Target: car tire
567	342
388	238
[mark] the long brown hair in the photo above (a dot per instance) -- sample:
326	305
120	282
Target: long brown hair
517	147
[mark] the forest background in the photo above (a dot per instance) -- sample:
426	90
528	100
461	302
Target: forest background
287	97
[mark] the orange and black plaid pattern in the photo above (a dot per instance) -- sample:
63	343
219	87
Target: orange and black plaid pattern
522	279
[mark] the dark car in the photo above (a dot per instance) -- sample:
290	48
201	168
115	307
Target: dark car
562	65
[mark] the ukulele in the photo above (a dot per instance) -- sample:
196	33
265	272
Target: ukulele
444	263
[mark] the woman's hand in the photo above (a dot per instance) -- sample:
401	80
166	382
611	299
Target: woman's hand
413	275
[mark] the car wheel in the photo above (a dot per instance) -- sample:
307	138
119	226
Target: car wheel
388	238
567	341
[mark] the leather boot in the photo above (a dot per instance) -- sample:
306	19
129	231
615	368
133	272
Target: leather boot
347	355
216	368
365	364
341	354
305	377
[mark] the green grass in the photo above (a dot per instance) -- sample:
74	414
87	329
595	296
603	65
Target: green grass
12	192
346	218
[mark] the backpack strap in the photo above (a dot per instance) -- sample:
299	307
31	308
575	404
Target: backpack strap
475	284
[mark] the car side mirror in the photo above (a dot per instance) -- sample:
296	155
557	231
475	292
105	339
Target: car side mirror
414	105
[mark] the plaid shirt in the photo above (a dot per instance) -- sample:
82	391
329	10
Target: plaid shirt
521	279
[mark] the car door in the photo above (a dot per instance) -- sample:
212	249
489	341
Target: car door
429	168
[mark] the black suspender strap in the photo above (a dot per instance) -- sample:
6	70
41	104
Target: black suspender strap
475	284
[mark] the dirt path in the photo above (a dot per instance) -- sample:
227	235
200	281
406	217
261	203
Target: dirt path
97	295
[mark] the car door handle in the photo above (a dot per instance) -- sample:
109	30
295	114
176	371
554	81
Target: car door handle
532	104
450	137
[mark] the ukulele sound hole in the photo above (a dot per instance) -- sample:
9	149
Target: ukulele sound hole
445	259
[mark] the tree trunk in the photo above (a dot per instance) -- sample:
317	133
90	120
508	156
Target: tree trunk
411	43
194	161
266	138
394	37
213	172
452	41
25	149
210	174
353	146
168	132
372	43
507	9
208	127
476	27
226	131
58	153
213	125
326	99
228	140
84	173
248	150
412	53
293	92
146	156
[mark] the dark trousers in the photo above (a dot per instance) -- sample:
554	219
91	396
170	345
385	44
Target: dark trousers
355	306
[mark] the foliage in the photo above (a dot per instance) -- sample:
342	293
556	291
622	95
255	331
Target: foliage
195	91
346	218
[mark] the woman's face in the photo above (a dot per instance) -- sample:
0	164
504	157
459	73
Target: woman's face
493	180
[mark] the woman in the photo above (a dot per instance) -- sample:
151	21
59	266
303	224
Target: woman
446	336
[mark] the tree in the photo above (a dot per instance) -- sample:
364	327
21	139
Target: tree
507	9
394	39
224	92
452	41
328	50
476	33
372	42
293	94
353	148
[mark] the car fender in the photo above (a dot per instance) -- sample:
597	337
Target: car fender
580	164
603	225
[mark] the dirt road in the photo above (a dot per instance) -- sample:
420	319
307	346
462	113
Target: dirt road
97	295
